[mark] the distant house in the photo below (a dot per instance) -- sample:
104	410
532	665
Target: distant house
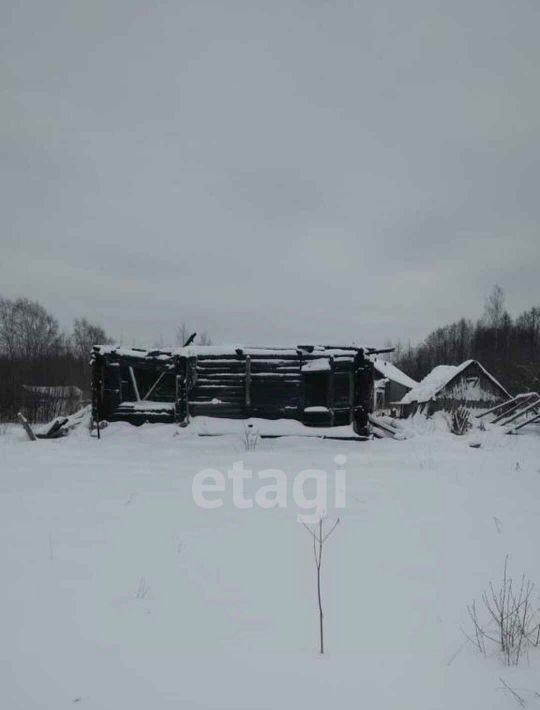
43	403
450	386
391	385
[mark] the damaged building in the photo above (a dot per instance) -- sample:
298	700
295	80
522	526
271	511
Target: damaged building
317	385
447	387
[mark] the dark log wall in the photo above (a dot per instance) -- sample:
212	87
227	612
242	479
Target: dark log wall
276	387
218	387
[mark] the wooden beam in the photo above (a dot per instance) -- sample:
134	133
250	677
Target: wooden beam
134	383
533	420
506	403
156	383
351	395
507	412
522	412
330	391
248	381
28	429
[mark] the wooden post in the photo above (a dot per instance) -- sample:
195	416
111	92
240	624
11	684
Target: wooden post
134	383
187	388
302	388
182	390
330	391
28	429
351	396
97	386
248	382
177	391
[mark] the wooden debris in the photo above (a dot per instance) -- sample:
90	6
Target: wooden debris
28	429
55	429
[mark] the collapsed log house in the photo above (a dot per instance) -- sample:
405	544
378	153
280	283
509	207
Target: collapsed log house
317	385
450	386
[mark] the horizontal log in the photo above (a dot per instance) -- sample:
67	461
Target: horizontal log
213	392
217	389
276	367
236	368
199	410
255	357
270	377
210	377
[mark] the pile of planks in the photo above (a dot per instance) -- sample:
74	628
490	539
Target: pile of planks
59	427
515	413
385	427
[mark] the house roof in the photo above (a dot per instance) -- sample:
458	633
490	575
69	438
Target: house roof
439	378
227	351
391	372
55	391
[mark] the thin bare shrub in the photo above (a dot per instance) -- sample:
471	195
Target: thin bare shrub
460	421
250	438
320	536
507	619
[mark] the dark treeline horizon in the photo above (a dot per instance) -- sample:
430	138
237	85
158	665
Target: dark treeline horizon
34	351
508	347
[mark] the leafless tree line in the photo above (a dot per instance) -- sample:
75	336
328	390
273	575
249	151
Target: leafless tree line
36	353
509	348
40	366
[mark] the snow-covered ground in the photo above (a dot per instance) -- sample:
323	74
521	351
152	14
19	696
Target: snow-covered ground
118	592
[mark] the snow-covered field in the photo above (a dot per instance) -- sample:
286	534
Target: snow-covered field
118	592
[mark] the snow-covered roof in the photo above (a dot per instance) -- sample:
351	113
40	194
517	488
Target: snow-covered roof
58	392
320	364
225	351
438	378
391	372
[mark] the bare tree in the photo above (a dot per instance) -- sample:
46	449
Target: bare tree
506	347
494	307
182	334
27	331
319	536
84	336
38	363
204	339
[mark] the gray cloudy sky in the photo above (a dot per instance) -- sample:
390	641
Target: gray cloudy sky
278	171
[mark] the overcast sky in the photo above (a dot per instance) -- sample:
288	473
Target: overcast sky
271	172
